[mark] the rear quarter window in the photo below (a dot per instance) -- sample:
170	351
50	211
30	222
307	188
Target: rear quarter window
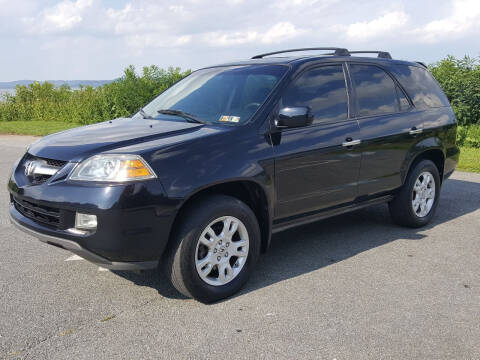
421	86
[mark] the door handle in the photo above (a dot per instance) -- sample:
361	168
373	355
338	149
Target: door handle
415	131
351	142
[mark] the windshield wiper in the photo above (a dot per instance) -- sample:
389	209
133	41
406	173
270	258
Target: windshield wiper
144	114
186	116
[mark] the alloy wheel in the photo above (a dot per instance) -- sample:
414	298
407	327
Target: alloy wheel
423	195
222	250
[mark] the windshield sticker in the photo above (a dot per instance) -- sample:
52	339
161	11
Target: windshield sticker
226	118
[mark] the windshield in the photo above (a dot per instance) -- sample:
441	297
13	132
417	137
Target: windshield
228	95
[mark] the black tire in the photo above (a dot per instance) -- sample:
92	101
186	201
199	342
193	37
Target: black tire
401	208
180	257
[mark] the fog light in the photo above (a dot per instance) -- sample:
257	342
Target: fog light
85	221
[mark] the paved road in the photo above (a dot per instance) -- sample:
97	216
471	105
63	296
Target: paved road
352	287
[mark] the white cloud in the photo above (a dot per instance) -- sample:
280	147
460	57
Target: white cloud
155	41
378	27
465	19
63	16
278	33
232	38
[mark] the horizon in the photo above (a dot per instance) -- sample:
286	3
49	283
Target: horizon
97	39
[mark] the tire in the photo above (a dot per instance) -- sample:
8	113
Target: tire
187	252
403	208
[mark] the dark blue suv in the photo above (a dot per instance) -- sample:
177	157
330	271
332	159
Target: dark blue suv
199	179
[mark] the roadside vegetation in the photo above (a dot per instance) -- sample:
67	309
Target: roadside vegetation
42	102
460	79
41	109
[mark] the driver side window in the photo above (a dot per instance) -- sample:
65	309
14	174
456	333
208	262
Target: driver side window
323	89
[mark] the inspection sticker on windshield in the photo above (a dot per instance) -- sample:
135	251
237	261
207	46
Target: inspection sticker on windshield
233	119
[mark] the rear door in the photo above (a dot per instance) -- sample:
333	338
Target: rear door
388	127
313	168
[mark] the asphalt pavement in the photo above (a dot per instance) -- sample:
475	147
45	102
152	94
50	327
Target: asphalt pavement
351	287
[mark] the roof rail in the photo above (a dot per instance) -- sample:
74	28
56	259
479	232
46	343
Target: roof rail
381	54
422	63
337	51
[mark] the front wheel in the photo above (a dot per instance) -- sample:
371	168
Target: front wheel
415	204
214	250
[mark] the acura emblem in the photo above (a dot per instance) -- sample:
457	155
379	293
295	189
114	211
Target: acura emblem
39	167
30	168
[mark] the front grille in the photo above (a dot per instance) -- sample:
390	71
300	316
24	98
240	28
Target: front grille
36	179
56	163
39	213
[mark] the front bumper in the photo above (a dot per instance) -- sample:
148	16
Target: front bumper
134	219
75	248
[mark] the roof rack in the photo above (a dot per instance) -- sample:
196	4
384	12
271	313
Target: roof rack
422	64
381	54
337	51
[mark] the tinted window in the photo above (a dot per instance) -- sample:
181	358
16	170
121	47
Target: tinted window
323	90
257	88
375	89
402	100
420	86
230	94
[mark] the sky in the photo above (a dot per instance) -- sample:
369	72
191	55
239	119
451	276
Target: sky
97	39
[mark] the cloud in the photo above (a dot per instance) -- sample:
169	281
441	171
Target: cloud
230	39
63	16
155	41
465	19
278	33
378	27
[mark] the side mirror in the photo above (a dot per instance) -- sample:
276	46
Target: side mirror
292	117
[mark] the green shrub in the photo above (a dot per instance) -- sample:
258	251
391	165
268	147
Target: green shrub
473	137
469	136
460	80
87	105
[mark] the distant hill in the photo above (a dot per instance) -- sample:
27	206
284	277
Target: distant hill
71	83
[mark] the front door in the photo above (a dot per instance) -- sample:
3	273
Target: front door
315	167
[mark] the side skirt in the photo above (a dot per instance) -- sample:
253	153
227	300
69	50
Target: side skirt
289	222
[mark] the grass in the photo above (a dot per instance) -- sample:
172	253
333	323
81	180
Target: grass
39	128
469	160
469	157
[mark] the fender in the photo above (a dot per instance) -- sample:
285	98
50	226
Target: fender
267	190
425	145
230	186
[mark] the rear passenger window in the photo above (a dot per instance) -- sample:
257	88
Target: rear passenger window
376	92
323	90
420	86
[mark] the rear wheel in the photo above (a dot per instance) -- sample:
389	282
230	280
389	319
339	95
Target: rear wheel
415	204
214	250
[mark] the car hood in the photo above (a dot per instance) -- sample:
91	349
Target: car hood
79	143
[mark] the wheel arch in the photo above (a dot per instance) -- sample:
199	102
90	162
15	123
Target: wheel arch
246	190
429	149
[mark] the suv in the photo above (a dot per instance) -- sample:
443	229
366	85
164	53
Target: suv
199	179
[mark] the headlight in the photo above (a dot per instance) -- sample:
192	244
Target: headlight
112	168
